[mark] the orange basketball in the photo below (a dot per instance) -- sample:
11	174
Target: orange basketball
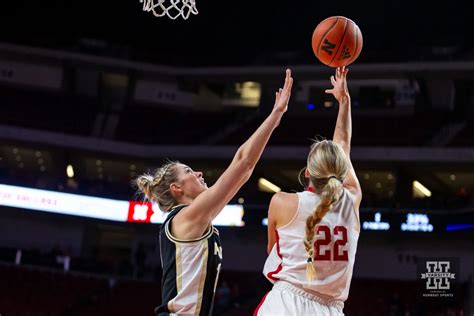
337	41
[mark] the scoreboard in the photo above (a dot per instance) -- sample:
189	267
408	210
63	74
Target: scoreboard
413	221
416	220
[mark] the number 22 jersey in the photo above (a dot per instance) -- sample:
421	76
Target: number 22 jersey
335	245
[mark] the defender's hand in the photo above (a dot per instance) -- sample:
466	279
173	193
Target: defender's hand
283	95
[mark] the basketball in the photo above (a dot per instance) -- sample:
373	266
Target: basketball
337	41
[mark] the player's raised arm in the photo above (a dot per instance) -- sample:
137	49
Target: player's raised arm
196	217
343	130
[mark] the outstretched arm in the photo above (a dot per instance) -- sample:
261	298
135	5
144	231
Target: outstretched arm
343	130
196	218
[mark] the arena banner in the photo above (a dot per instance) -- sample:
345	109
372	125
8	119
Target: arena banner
34	75
100	208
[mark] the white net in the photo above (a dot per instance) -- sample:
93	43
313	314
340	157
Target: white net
172	8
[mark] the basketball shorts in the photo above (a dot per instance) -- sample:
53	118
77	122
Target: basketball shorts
286	299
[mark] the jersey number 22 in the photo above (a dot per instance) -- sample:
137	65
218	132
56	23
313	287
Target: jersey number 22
324	239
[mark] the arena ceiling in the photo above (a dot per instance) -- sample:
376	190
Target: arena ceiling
238	33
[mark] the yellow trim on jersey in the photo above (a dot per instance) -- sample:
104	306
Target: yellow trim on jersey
177	240
179	269
202	279
170	306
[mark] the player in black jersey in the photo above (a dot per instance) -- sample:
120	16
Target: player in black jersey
191	253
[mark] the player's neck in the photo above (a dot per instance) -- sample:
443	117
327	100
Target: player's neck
186	200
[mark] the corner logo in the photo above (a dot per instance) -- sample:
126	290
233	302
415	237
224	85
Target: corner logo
438	276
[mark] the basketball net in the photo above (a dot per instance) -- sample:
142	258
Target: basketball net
172	8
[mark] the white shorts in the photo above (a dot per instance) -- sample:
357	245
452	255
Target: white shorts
286	299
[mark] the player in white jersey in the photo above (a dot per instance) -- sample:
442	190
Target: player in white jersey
190	246
312	235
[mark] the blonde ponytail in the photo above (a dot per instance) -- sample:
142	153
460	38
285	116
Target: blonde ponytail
156	187
145	184
327	167
329	196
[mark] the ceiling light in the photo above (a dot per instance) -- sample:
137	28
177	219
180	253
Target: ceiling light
70	171
266	186
420	189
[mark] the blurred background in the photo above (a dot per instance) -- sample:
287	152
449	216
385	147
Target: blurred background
93	94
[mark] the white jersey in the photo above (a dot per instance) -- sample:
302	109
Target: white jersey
335	244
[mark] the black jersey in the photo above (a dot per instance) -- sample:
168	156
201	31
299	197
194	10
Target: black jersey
190	271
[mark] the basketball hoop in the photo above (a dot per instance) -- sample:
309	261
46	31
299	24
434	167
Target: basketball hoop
172	8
